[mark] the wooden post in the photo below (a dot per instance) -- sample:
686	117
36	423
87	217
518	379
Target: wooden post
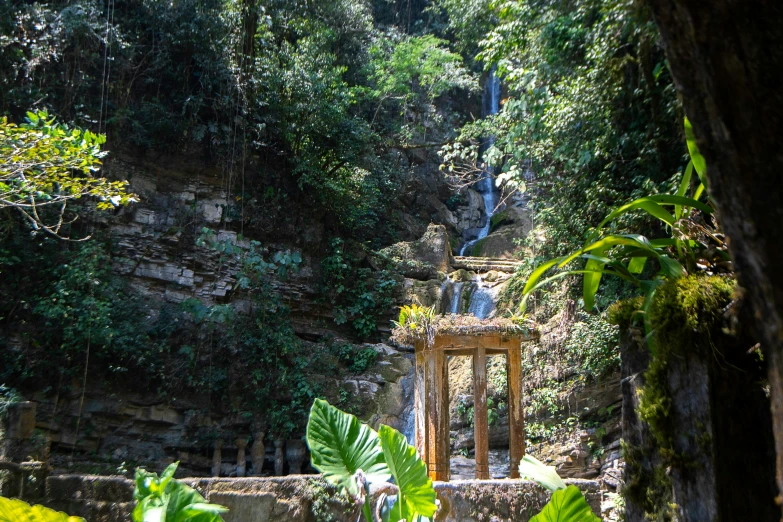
430	412
480	426
516	412
443	444
419	397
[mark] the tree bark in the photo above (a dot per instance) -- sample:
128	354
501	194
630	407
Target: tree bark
726	58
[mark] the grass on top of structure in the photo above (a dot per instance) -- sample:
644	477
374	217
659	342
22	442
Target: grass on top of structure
419	323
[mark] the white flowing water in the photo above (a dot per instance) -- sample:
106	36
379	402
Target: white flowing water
486	185
482	300
456	297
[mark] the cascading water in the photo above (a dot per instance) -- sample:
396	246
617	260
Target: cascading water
456	297
482	300
486	185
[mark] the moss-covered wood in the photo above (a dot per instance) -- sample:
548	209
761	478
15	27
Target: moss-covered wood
695	414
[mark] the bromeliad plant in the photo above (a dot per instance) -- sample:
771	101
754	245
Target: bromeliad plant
567	503
626	255
415	320
352	456
165	499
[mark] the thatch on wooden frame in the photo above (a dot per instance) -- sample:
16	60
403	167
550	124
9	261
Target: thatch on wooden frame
458	324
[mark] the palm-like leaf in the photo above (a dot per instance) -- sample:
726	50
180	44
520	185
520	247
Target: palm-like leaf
416	494
340	446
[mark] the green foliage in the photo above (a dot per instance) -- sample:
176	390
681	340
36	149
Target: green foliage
408	73
44	164
357	360
360	295
352	456
346	451
416	495
12	510
533	469
682	315
567	503
162	499
8	396
592	345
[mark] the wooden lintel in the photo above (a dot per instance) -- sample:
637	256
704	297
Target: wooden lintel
480	420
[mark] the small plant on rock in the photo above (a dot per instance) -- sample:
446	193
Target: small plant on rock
165	499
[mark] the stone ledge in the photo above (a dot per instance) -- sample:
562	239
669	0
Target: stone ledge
307	498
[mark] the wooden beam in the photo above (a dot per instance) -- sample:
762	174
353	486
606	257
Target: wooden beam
516	411
480	420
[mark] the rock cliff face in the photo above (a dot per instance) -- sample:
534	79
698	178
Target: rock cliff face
117	428
157	252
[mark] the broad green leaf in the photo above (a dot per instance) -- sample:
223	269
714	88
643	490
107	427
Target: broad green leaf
533	469
647	204
566	505
416	494
538	272
669	199
699	163
340	446
634	240
165	499
636	264
12	510
682	191
592	279
671	267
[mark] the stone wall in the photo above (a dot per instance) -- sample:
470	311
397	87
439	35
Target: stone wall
306	498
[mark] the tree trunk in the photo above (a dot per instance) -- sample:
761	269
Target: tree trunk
726	58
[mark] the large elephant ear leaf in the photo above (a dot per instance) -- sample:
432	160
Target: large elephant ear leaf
533	469
340	446
416	494
566	505
12	510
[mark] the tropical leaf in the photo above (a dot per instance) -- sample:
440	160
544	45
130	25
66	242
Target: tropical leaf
636	264
566	505
164	499
533	469
538	272
647	204
634	240
12	510
416	494
340	446
592	279
683	188
670	199
699	163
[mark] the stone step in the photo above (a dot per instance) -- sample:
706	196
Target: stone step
485	264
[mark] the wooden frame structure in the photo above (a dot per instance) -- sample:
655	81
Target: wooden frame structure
432	398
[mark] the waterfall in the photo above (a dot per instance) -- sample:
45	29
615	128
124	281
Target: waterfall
482	300
486	185
456	297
